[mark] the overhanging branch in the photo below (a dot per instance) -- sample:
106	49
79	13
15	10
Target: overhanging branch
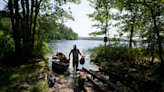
5	2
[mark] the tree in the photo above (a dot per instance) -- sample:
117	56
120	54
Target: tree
156	11
101	15
24	16
129	17
147	13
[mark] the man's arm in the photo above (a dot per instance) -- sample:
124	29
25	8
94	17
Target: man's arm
70	54
80	53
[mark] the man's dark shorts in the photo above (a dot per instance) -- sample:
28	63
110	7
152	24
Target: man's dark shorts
75	63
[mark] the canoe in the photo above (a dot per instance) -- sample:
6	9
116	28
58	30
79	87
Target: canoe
57	65
62	67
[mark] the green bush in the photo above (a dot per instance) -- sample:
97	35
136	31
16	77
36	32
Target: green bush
6	46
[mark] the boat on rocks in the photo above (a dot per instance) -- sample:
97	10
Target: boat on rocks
60	62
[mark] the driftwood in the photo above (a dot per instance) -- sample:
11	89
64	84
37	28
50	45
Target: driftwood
95	84
115	75
123	80
82	79
104	80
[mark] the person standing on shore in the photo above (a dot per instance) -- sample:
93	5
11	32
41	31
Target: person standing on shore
75	52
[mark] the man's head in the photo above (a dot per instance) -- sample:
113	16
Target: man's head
74	47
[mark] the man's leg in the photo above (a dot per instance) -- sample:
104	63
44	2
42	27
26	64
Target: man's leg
74	65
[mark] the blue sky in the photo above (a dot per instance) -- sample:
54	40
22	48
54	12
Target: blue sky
82	24
2	4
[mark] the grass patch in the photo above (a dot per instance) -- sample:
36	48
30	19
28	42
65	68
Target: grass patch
26	78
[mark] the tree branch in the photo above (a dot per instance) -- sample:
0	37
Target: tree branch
35	19
146	4
32	6
5	1
10	5
24	21
27	20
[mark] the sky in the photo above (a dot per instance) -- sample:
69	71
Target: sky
82	24
2	4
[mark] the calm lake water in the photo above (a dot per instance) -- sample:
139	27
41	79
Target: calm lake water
65	47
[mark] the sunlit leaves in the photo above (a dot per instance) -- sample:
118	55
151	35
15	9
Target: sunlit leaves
53	9
100	15
96	33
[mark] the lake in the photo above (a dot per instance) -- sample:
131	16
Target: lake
65	47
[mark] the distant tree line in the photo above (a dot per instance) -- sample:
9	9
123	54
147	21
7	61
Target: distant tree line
63	33
102	38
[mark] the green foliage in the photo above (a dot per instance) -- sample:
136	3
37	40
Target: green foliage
54	30
7	42
31	75
5	25
130	62
141	18
32	39
101	15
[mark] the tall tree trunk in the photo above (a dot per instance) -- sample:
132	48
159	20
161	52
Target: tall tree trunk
152	53
16	29
158	38
153	45
35	19
23	22
27	23
28	45
31	21
10	5
131	35
159	47
157	32
106	58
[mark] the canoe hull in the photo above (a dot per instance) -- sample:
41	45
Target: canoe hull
61	67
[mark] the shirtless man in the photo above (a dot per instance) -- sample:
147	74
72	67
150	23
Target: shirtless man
75	52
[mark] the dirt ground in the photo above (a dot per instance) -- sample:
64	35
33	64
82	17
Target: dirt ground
59	87
72	86
63	85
